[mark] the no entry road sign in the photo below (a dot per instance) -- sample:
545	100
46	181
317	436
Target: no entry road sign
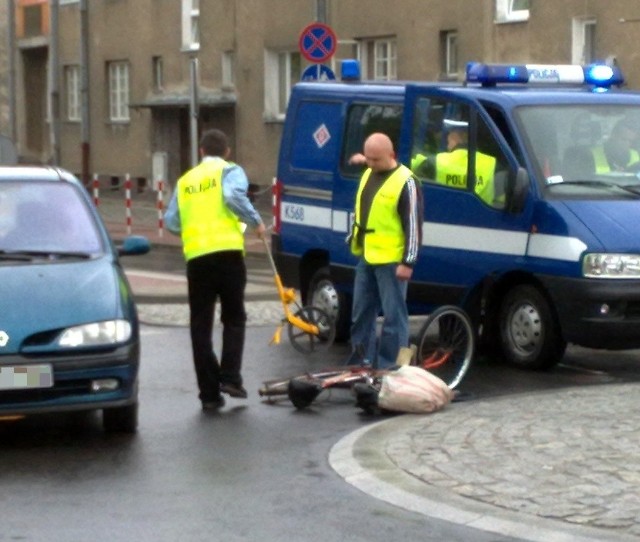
317	42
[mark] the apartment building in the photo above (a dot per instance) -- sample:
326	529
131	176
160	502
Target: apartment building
121	96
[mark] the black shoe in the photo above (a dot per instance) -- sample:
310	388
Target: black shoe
213	404
233	390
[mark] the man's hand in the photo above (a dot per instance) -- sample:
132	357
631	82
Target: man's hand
260	230
403	272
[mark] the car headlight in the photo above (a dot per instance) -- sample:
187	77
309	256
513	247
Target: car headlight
611	266
96	334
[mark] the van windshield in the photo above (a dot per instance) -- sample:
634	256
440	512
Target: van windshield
585	150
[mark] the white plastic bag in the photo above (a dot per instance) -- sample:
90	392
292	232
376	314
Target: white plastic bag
412	389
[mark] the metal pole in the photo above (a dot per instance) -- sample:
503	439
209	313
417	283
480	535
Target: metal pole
321	11
54	84
84	89
13	132
193	112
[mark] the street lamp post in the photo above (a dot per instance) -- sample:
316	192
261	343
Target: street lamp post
194	111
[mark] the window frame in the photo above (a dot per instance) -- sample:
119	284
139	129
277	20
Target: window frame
279	80
376	66
191	25
506	13
118	91
579	35
72	91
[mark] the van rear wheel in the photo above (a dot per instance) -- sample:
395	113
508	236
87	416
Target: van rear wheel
323	294
529	331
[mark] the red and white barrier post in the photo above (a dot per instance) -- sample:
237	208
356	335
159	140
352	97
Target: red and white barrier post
127	197
96	190
160	206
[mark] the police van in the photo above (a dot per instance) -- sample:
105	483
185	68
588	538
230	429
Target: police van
532	222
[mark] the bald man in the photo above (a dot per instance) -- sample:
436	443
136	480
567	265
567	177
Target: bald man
386	237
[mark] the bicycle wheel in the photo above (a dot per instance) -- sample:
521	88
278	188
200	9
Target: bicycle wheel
446	344
307	342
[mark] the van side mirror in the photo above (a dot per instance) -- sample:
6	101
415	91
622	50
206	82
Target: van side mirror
517	190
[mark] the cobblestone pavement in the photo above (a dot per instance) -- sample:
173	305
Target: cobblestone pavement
557	466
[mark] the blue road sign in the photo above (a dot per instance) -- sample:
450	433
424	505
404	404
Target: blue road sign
317	42
318	72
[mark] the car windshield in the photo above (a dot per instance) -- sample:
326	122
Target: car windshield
46	217
585	150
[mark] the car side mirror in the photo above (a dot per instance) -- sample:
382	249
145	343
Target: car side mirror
134	245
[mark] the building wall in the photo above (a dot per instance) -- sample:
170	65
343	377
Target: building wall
137	30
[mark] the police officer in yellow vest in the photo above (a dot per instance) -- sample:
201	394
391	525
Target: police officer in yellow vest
386	237
616	153
450	167
208	208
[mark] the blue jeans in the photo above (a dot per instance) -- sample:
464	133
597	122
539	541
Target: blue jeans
376	289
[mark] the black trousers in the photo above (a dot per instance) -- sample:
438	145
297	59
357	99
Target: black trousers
223	276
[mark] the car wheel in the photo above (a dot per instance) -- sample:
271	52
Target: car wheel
529	331
122	419
323	294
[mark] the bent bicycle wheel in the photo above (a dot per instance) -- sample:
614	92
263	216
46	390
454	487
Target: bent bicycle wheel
308	342
446	344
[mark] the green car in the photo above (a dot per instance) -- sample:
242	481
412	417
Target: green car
69	330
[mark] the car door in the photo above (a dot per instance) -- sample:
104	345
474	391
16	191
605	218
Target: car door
468	233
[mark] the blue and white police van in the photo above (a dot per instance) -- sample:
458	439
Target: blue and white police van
550	255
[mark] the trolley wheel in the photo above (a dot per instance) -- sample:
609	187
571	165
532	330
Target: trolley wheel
307	342
446	344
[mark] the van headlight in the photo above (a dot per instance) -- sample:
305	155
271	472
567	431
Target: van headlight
96	334
611	266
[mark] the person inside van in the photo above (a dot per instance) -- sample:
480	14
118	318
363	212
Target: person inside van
386	237
450	167
617	152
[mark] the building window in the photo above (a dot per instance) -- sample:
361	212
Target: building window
119	91
583	41
228	69
379	59
449	54
510	11
190	25
282	71
158	73
72	86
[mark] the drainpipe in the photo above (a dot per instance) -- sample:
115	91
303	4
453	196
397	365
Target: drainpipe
84	91
13	132
54	84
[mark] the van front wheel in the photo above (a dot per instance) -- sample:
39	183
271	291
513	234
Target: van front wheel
323	294
529	332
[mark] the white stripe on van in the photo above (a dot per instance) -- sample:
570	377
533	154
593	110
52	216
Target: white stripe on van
476	239
556	247
454	237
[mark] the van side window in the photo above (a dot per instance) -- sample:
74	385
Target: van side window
442	133
362	121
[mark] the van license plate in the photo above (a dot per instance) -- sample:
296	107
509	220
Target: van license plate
19	377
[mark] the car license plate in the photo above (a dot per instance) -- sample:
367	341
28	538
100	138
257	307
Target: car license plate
19	377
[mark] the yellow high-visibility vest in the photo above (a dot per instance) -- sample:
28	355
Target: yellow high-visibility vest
601	162
451	170
207	225
384	238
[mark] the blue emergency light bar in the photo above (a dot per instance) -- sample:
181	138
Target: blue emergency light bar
599	75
